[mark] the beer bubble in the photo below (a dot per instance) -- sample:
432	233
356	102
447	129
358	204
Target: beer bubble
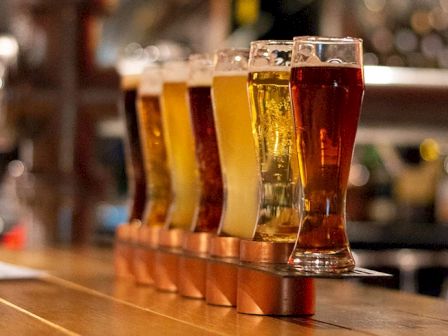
335	61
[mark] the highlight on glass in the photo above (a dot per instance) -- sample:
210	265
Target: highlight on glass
327	88
273	131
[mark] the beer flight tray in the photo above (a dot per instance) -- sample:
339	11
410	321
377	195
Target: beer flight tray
281	270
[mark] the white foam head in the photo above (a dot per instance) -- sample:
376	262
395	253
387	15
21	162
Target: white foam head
130	81
175	71
130	71
201	70
268	68
231	73
151	81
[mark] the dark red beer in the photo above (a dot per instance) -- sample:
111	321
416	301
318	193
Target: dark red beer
208	214
135	169
326	103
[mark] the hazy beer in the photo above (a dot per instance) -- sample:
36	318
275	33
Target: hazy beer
153	146
273	129
236	144
209	209
180	145
327	88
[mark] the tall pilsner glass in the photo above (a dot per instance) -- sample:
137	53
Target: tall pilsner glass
158	182
179	141
235	143
327	88
209	208
134	157
273	130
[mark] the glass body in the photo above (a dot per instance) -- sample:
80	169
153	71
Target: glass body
180	145
327	87
273	130
209	209
134	160
158	184
236	144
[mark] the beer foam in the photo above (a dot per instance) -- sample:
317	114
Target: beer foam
232	73
175	71
267	68
326	64
200	80
129	82
151	81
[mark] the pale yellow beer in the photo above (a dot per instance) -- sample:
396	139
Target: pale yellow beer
179	141
158	182
273	129
237	152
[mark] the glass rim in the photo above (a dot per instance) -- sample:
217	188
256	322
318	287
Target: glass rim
327	39
272	42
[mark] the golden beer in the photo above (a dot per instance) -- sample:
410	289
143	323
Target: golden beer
158	182
237	151
180	146
273	130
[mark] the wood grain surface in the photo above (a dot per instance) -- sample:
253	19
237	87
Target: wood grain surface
82	297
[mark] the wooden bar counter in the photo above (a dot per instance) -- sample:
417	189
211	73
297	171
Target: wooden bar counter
82	297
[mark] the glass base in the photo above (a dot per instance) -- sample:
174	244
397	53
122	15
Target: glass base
322	262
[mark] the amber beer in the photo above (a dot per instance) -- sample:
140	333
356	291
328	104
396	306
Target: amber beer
178	136
235	143
134	159
153	145
326	98
209	210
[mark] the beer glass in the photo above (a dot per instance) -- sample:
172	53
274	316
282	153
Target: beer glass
158	182
209	209
273	131
235	143
327	88
134	161
180	145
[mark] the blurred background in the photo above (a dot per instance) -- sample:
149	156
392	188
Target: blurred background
62	173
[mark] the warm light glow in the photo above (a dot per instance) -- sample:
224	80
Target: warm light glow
359	175
383	75
429	150
8	47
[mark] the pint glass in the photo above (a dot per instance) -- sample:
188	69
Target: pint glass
273	131
327	88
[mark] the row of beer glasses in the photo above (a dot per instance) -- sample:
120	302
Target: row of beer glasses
255	146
